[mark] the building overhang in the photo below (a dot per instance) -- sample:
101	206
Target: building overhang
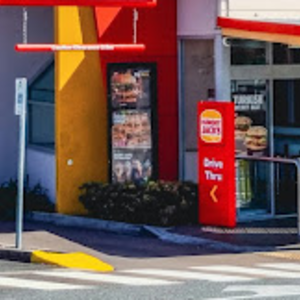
259	30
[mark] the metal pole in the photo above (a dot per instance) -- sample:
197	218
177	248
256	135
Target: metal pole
298	196
181	109
21	99
25	26
21	169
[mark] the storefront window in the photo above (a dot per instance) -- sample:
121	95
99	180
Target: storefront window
286	103
252	138
248	52
284	54
41	110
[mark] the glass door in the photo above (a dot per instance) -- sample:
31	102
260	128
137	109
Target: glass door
251	99
287	142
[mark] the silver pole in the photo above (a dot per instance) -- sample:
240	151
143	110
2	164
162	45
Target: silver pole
21	169
22	143
298	196
271	135
181	109
25	26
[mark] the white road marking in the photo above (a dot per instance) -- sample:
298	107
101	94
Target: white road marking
189	275
213	273
261	291
249	271
106	278
36	284
282	266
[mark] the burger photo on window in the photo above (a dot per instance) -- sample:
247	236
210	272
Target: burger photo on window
256	138
242	125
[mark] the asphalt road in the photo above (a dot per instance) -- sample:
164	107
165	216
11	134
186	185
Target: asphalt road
193	277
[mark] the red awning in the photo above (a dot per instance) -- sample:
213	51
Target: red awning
267	31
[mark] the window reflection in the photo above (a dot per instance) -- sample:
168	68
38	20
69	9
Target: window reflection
248	52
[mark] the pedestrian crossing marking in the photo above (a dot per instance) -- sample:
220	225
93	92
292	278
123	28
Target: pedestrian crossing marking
261	292
188	275
37	285
283	266
249	271
48	279
106	278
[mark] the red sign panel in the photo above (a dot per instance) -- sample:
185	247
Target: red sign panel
216	164
120	3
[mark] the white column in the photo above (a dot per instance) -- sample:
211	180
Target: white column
222	68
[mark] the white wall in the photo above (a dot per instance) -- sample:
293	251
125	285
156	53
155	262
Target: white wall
191	166
197	22
286	10
40	167
196	17
12	65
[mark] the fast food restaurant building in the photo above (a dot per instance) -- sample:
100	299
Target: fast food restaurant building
81	105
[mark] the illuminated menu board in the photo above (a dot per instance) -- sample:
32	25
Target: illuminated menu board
131	90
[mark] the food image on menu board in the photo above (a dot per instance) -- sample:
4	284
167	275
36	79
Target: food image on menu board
131	129
131	166
130	88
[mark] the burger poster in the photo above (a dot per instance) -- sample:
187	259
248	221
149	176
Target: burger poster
131	129
131	89
251	133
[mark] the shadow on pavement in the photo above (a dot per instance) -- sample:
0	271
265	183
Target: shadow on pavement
266	235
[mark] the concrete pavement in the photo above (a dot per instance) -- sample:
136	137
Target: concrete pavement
56	233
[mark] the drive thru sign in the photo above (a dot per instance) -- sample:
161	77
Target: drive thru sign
216	162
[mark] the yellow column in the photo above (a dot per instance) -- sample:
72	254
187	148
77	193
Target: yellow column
81	110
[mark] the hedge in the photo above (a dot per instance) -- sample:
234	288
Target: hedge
35	199
155	203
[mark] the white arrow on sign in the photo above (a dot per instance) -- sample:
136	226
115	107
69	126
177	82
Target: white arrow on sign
258	291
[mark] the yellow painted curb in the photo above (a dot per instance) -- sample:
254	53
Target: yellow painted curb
76	260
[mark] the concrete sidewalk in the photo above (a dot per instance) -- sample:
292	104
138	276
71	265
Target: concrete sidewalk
272	233
66	234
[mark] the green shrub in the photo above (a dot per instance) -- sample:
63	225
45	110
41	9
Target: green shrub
8	196
155	203
35	199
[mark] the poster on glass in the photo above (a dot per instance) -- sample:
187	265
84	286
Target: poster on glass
251	132
132	109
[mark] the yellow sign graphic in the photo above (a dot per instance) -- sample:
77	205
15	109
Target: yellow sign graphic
213	194
211	128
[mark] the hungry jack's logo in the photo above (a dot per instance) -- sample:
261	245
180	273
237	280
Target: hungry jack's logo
211	128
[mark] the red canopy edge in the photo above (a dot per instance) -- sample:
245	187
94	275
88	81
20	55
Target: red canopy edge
107	3
259	26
